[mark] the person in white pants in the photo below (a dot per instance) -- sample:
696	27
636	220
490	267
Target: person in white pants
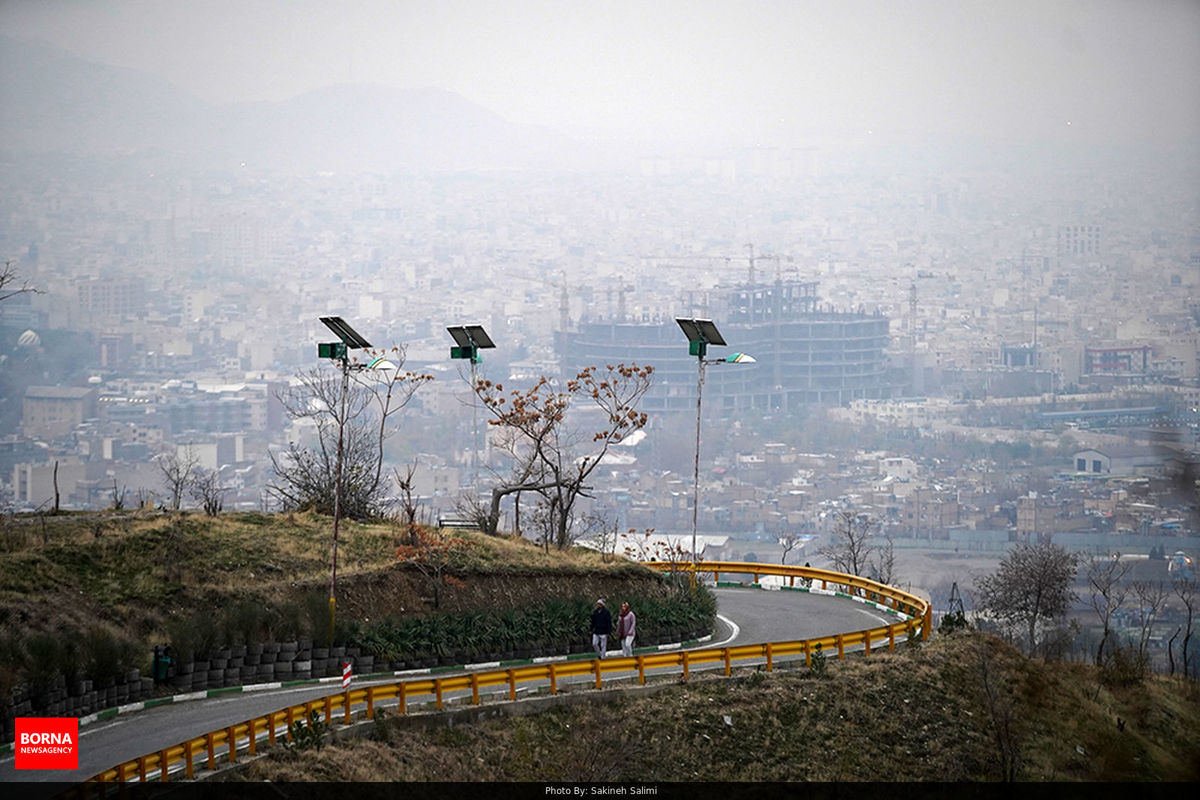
626	629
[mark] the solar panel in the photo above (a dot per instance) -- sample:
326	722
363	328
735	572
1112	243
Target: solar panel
700	330
470	336
343	331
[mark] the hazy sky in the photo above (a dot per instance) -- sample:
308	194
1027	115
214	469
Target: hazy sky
1121	70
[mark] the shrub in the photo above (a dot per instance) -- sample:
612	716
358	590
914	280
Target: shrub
103	656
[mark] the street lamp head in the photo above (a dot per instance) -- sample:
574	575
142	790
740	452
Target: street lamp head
741	358
381	364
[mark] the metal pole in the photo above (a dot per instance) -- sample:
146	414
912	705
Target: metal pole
696	470
337	495
474	430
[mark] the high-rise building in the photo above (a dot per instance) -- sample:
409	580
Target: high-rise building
805	355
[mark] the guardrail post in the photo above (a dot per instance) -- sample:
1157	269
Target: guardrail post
142	769
770	656
271	727
867	644
188	768
291	720
346	700
212	758
686	665
807	654
553	678
596	669
232	734
162	765
512	684
370	702
641	664
823	586
402	698
892	638
437	691
474	689
328	708
716	577
252	736
841	647
728	665
927	623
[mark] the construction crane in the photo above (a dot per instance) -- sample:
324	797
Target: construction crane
564	301
750	258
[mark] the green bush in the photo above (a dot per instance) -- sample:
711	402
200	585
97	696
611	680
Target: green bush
556	623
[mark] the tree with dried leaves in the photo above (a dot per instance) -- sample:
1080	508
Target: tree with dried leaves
361	417
551	458
1106	577
434	555
1032	585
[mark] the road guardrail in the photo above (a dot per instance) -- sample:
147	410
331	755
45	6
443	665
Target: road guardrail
223	745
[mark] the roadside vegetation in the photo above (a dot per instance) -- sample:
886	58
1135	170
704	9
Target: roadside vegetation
963	707
85	597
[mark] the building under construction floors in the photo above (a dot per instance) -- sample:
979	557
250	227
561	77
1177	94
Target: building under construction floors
804	355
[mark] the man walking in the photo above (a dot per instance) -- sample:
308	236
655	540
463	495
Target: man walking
601	628
626	628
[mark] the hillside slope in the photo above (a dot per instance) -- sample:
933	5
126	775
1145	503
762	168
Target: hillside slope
920	714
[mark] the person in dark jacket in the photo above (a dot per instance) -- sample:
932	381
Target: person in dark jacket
601	628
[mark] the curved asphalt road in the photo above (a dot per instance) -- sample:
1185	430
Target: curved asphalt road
746	616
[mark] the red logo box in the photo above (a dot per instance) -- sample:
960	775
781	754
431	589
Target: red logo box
47	743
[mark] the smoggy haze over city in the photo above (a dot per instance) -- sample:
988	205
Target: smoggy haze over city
743	73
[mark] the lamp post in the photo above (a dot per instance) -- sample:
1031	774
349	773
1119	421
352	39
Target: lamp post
339	351
701	333
468	340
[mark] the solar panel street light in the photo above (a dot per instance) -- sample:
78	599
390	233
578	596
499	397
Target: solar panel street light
700	334
350	339
468	340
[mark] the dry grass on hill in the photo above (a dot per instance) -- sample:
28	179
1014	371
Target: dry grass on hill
919	715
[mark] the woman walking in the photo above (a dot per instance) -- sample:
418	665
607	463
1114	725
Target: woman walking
626	628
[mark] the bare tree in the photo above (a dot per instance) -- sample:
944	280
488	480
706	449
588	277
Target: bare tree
1150	597
354	425
850	545
1185	590
549	457
117	496
9	286
206	490
787	544
177	470
1031	585
1105	576
883	565
998	701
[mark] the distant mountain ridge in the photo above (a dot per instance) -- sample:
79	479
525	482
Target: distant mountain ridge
51	101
